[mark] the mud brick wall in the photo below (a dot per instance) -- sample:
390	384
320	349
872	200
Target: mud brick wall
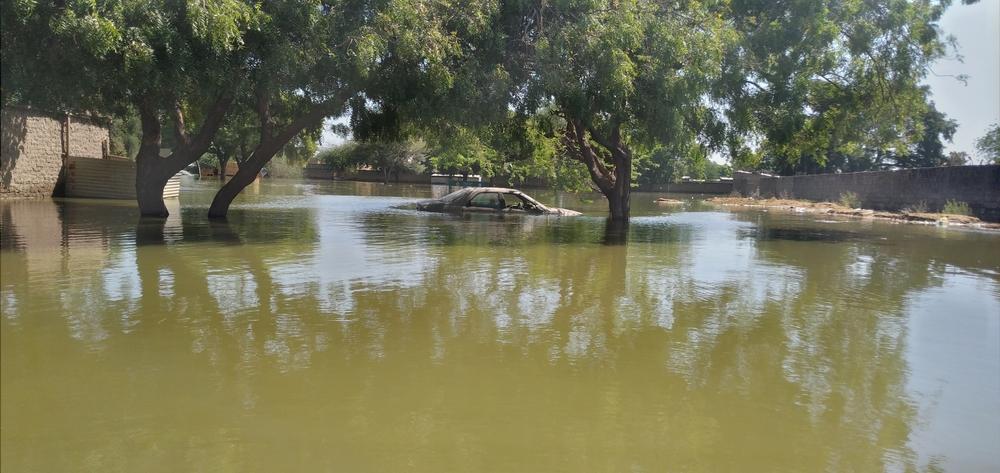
978	186
33	145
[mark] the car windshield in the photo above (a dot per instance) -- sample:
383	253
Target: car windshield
455	196
517	202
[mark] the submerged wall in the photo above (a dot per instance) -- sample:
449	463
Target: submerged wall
978	186
34	146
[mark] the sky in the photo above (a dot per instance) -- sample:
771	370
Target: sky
975	105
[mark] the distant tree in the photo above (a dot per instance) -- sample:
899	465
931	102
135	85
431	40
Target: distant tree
239	138
393	158
958	158
833	85
988	145
928	151
126	135
343	157
388	158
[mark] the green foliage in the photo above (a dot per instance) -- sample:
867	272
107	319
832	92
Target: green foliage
832	85
636	90
988	145
343	157
282	167
958	158
954	207
664	167
390	158
108	55
850	200
126	135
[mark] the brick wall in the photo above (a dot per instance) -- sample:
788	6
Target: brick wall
32	147
978	186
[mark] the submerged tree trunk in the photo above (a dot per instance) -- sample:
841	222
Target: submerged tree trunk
153	171
619	197
615	182
269	145
244	176
150	179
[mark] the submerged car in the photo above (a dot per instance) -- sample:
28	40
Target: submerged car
491	199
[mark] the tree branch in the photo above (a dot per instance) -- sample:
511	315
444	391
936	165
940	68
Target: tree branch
264	115
199	144
266	149
180	129
598	172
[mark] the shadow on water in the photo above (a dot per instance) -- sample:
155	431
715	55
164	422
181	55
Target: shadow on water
800	234
615	233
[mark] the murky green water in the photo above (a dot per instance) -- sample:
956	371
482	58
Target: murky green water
323	330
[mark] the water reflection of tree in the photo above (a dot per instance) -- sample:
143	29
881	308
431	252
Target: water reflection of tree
519	332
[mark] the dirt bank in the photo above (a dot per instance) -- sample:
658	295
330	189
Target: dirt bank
831	208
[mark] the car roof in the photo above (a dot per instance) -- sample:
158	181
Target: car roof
478	190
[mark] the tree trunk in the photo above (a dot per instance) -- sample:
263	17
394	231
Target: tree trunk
151	176
619	195
153	171
615	232
618	205
615	182
223	161
268	146
245	175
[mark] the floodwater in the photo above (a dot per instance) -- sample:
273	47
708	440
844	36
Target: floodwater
322	329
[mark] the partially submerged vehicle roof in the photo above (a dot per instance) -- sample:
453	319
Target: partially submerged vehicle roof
478	190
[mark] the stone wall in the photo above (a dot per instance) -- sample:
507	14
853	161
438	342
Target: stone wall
978	186
33	147
318	171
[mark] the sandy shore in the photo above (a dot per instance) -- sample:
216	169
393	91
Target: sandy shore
831	208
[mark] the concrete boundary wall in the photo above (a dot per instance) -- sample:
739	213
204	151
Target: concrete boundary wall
691	187
978	186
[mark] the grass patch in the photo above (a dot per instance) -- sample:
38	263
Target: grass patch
850	200
955	207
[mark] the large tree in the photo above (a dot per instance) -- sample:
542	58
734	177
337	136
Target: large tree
988	145
176	65
624	76
816	85
311	61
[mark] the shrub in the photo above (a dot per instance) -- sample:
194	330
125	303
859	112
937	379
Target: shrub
919	207
850	200
955	207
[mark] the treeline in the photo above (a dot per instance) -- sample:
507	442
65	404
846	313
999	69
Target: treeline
601	92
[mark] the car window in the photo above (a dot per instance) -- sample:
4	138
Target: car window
489	200
516	202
